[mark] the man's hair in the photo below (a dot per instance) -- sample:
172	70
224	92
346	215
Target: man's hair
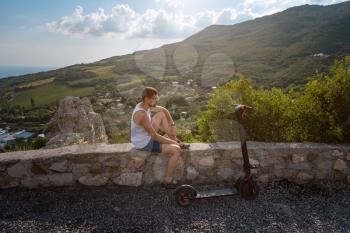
149	92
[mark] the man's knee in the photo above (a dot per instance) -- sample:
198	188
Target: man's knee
165	120
160	114
175	150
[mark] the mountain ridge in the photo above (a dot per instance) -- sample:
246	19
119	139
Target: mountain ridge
283	49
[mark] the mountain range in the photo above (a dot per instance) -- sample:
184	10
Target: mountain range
279	50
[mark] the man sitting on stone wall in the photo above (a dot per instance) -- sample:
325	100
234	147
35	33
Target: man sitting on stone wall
145	136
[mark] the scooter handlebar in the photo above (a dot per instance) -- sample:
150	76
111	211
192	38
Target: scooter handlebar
238	107
241	111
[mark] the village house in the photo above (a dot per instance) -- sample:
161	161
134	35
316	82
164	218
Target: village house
7	138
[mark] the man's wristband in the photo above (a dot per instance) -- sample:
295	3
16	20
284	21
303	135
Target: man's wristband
172	124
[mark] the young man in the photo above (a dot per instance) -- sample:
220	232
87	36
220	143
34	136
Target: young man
145	136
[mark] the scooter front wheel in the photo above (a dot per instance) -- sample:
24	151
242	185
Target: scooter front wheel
249	189
185	195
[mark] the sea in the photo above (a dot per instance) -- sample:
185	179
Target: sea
8	71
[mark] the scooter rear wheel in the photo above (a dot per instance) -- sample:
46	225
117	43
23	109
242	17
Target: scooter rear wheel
185	195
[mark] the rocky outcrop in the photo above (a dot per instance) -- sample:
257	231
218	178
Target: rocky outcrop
121	164
75	122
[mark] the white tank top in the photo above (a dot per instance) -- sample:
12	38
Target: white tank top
139	136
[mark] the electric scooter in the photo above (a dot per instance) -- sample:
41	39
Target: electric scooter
245	186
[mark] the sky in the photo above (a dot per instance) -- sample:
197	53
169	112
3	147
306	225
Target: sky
59	33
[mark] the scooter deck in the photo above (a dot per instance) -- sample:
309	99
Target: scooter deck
215	193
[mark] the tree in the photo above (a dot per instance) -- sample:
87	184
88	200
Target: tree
322	114
177	100
318	113
216	122
32	102
271	116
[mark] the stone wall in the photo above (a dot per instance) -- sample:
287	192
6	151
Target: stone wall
102	164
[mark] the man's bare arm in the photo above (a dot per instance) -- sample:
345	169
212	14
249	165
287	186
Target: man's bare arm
144	122
159	108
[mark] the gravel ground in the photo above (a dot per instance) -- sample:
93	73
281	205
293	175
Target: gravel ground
281	207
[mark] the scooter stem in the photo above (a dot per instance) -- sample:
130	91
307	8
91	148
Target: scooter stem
242	133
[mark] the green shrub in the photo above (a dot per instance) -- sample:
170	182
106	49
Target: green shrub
38	142
319	113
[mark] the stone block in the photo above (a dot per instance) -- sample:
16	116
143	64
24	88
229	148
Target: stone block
297	158
20	169
225	173
192	173
94	180
207	161
36	181
129	179
304	177
136	163
61	179
340	165
62	166
8	182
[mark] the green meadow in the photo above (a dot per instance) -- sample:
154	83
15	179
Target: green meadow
48	94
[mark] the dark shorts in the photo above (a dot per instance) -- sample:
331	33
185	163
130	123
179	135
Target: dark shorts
152	146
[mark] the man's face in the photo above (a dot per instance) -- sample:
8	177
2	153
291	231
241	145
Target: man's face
154	100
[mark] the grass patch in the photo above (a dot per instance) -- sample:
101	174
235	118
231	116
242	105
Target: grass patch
133	82
91	80
36	83
48	94
102	70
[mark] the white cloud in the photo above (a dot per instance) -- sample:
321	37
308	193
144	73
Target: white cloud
231	16
205	18
119	21
167	21
159	23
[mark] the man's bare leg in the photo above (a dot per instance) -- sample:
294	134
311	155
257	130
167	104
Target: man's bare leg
174	151
159	121
171	166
